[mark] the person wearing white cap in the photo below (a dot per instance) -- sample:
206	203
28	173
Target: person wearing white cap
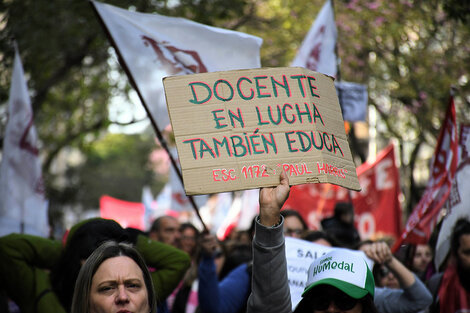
339	281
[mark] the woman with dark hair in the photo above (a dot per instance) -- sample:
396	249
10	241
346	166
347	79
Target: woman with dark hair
114	278
418	258
188	239
39	274
81	241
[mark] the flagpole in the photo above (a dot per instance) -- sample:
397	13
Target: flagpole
23	197
154	124
338	77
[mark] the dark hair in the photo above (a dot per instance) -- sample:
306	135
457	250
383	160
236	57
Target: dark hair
185	226
291	212
379	271
368	305
409	251
462	227
236	254
157	223
343	208
109	249
315	235
82	240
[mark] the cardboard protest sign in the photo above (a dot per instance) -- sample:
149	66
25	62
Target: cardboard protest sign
237	130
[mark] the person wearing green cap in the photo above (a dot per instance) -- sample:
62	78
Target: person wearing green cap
339	281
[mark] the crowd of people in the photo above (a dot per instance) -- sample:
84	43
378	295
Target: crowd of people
174	267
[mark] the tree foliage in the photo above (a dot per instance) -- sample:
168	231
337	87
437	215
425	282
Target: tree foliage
408	52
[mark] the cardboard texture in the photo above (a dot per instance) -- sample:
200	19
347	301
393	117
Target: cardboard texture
237	130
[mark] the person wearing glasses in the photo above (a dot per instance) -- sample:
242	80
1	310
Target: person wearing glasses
294	225
408	295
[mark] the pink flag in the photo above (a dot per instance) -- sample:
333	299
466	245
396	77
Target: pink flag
424	217
128	214
153	46
23	207
317	51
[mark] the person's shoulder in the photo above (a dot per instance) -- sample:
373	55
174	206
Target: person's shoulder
328	222
434	282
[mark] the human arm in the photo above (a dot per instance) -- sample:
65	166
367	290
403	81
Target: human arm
228	295
413	295
380	253
24	264
208	294
168	264
270	288
414	298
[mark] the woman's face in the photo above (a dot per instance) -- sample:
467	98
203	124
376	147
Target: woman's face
387	279
118	286
187	241
422	257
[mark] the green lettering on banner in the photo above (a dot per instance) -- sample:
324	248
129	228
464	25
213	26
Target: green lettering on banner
240	93
236	130
285	85
218	118
259	87
193	90
311	79
216	93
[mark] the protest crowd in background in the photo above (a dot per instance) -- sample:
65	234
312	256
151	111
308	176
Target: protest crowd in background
280	248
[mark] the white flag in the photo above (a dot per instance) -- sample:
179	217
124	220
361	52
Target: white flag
179	201
153	46
149	204
317	51
23	207
459	198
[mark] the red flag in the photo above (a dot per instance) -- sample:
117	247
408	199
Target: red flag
377	207
128	214
424	216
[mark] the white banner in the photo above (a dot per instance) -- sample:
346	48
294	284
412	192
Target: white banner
317	51
23	207
179	201
153	46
